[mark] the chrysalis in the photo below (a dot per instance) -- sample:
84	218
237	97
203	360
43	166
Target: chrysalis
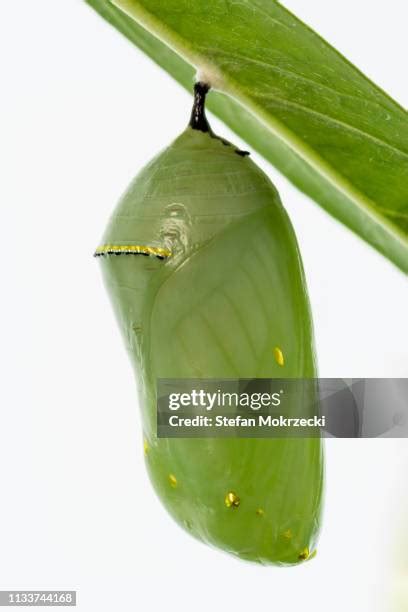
209	284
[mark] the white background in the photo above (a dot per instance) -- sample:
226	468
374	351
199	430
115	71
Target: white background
80	115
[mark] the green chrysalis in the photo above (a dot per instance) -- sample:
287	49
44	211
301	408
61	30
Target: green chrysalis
220	293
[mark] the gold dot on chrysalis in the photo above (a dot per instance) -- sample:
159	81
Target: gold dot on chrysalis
145	446
173	480
304	554
260	512
278	356
232	500
288	535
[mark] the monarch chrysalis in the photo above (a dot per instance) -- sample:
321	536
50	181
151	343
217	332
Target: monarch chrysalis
220	293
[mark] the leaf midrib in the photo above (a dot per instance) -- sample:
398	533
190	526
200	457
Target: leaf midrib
329	119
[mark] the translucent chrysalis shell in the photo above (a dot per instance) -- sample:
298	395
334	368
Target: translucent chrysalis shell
209	284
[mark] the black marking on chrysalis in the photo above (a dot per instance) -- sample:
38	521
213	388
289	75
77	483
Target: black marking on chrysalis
198	119
242	153
127	253
147	251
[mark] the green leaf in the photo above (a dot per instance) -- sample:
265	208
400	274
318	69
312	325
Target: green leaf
337	136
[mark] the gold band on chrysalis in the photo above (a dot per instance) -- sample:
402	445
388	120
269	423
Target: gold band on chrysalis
132	249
